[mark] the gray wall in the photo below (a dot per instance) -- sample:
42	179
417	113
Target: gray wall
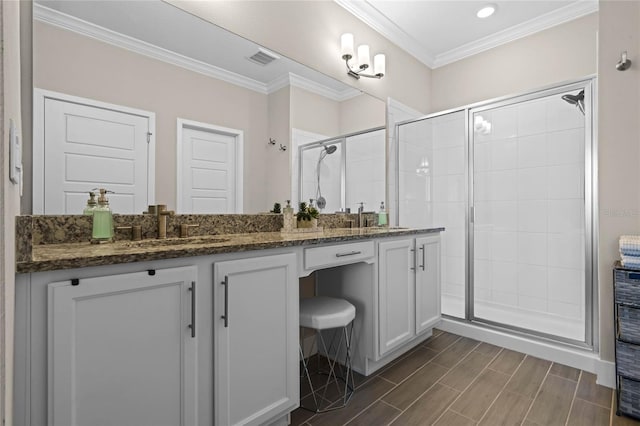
563	52
618	147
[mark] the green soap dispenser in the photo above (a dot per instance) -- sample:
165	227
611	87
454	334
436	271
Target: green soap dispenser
91	205
102	220
382	215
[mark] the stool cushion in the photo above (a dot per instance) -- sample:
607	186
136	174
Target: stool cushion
322	312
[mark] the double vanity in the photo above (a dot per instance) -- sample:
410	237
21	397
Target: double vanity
204	330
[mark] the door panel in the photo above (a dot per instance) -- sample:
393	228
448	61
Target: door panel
261	312
88	147
121	352
208	172
427	283
396	298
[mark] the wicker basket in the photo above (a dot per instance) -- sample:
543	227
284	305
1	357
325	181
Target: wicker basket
628	360
629	397
627	288
629	324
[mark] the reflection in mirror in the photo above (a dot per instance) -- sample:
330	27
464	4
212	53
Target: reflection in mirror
340	173
180	117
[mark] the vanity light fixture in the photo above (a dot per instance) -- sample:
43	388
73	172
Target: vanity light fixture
486	11
363	59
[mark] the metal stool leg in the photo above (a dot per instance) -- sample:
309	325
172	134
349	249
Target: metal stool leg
343	336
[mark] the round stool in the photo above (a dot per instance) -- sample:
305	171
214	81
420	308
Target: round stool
321	314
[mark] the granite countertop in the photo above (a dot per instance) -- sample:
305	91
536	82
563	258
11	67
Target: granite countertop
49	257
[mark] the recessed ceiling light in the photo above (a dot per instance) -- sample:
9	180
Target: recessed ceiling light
486	11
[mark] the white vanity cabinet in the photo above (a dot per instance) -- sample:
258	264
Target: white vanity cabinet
122	349
408	290
255	339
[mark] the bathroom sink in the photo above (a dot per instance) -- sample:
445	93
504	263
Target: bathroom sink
199	240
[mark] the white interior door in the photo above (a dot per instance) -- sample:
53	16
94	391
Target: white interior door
209	169
81	145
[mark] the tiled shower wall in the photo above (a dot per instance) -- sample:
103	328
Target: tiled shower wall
365	178
365	175
529	242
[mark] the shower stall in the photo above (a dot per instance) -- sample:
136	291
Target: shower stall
341	172
511	182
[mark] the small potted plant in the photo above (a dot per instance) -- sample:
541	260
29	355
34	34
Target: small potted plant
276	208
307	216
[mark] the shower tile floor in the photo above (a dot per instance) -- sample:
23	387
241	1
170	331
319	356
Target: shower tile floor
453	380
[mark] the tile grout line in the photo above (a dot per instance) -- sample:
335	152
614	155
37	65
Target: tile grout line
458	413
533	401
503	388
407	378
469	385
394	385
417	369
573	400
613	401
436	382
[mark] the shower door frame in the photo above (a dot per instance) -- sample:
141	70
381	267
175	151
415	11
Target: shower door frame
589	83
337	140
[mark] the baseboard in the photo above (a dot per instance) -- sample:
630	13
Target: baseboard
573	357
606	372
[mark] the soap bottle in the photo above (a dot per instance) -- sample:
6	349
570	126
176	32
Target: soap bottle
288	216
102	220
382	215
91	204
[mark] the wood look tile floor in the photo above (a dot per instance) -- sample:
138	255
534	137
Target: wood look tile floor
453	380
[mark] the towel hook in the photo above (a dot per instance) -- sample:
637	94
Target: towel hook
624	62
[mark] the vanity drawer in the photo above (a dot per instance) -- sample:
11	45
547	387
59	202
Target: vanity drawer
627	288
339	254
628	324
628	360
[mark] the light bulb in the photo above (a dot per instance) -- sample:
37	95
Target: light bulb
363	56
346	43
379	65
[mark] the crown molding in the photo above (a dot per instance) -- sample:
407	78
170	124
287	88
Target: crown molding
541	23
371	16
96	32
88	29
296	80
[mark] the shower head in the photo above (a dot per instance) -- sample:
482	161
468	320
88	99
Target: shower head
330	149
577	100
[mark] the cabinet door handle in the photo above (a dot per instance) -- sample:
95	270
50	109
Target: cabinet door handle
424	261
225	317
415	262
351	253
192	326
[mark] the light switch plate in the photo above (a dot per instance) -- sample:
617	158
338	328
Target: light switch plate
15	154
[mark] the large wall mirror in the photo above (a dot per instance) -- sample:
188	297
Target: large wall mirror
161	106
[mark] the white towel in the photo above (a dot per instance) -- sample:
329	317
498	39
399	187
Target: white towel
629	245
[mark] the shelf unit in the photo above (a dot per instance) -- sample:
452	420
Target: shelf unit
626	287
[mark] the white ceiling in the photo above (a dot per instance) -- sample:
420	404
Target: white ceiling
438	32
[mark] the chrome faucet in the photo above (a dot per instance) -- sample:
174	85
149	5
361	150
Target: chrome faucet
360	211
161	214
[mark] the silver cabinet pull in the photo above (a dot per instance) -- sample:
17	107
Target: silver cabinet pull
225	317
412	268
351	253
424	261
192	326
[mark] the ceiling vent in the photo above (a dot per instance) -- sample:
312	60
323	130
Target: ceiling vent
263	57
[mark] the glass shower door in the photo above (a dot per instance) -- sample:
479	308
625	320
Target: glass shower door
432	193
530	260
